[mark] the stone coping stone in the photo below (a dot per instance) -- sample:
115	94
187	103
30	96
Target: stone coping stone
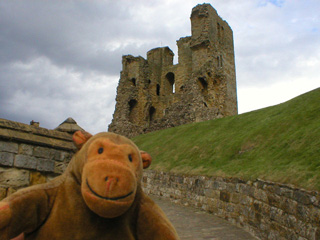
21	132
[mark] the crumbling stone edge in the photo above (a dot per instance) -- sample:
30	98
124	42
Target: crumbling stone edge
266	209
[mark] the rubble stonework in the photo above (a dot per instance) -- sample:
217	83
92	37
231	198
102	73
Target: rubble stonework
266	209
154	93
30	154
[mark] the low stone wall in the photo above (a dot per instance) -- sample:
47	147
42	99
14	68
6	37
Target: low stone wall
30	155
266	209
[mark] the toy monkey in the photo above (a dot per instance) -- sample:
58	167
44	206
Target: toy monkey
99	196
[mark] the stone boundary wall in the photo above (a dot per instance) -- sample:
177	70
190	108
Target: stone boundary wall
30	155
266	209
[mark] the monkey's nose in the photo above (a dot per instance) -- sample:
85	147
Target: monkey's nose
110	179
111	182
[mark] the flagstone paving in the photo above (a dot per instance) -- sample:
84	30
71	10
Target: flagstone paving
195	224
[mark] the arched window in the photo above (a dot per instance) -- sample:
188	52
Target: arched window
219	61
132	109
133	80
203	83
158	90
152	111
170	78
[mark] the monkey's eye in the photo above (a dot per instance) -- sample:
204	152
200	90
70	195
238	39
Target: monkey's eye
130	158
100	150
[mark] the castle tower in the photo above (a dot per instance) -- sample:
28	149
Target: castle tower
155	94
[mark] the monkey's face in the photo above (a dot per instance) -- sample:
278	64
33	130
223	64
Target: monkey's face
110	177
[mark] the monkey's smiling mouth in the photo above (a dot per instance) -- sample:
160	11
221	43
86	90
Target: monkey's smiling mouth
107	198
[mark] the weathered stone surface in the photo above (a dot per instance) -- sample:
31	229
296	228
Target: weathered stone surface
8	147
37	178
154	93
45	165
24	161
33	130
69	126
13	177
301	197
14	131
225	196
43	152
64	156
26	149
269	210
6	159
260	195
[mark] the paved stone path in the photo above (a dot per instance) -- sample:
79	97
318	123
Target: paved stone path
194	224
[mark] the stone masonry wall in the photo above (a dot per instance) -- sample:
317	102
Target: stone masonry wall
266	209
155	94
30	155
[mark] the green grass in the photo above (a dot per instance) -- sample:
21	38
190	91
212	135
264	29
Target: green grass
279	143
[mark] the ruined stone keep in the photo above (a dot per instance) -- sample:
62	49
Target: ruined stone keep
154	93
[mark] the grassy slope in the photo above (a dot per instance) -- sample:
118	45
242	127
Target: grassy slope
279	143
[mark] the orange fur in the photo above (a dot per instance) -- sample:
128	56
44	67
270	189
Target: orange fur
98	197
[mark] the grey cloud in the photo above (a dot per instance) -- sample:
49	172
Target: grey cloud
63	58
69	33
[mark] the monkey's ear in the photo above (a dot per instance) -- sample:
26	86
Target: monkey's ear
146	159
80	138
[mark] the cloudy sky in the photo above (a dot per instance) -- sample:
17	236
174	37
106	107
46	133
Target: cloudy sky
61	59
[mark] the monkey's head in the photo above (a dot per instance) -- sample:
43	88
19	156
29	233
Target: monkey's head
109	167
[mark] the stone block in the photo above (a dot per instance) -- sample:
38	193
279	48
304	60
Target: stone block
235	198
13	177
248	212
246	190
231	187
26	149
56	154
43	152
9	147
212	193
225	196
24	161
274	200
273	188
276	214
259	184
291	221
303	212
301	197
286	192
265	209
245	200
315	215
217	185
208	184
45	165
37	178
65	157
288	205
260	195
6	159
230	207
